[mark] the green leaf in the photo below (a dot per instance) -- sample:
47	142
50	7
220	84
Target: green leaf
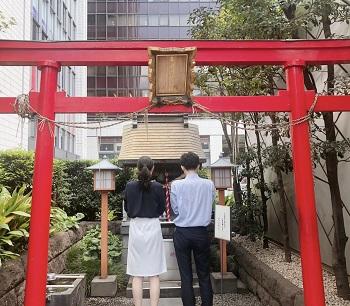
7	241
5	226
21	213
16	233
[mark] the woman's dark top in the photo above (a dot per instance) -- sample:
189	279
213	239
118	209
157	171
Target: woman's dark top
144	203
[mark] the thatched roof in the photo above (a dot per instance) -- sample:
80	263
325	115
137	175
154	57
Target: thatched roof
163	142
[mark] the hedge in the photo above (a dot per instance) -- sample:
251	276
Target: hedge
72	183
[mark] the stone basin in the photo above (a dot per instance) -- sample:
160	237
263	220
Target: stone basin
65	290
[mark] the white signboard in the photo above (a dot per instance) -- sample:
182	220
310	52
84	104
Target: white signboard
222	222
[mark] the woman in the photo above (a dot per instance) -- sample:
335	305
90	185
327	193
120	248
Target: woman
144	203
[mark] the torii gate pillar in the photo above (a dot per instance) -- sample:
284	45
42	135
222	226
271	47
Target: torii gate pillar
304	189
35	291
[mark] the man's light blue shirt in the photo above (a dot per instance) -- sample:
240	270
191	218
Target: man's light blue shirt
191	200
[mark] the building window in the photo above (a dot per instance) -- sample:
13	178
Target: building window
74	9
56	136
163	20
64	18
36	9
63	139
35	31
59	10
69	26
69	81
53	6
32	127
43	35
174	20
153	20
63	78
109	146
92	20
73	84
52	20
74	31
73	144
44	14
69	141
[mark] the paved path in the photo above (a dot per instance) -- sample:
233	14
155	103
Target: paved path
228	300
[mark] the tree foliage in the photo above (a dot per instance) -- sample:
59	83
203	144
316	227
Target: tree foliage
282	19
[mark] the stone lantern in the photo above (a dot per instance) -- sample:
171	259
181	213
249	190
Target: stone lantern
222	178
221	173
104	181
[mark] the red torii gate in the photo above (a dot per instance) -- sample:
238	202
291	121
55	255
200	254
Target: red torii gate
293	55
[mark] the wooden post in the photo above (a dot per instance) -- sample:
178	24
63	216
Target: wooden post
104	234
223	243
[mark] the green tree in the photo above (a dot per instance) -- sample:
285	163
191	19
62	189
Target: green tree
322	15
242	19
281	19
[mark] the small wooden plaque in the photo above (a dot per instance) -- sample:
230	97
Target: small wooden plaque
171	76
172	69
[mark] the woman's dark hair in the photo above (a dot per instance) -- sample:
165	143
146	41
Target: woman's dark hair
144	166
189	161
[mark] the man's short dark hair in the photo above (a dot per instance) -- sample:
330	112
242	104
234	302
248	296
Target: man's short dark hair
189	161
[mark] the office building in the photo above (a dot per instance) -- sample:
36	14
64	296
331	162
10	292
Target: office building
131	20
44	20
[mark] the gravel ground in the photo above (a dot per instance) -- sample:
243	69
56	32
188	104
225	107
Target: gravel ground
274	258
228	300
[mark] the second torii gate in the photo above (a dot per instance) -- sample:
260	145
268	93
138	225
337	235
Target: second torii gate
293	55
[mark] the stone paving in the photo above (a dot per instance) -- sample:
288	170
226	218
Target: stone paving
226	300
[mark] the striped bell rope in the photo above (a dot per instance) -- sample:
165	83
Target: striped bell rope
167	196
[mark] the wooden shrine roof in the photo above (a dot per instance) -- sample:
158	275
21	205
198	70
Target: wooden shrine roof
163	142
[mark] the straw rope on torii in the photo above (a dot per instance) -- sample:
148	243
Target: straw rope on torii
23	108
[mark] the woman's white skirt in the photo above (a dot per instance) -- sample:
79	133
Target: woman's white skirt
146	256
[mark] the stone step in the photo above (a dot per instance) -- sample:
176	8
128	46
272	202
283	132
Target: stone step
242	287
165	302
228	284
168	289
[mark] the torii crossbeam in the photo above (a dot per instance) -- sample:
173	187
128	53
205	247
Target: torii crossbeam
293	55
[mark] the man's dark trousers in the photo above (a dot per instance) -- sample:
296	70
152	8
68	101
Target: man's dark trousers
186	240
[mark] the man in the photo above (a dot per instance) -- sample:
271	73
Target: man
191	200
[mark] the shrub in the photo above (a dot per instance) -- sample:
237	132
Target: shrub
85	256
214	257
14	221
203	173
80	196
60	184
92	246
72	183
16	169
76	184
61	222
15	217
245	216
